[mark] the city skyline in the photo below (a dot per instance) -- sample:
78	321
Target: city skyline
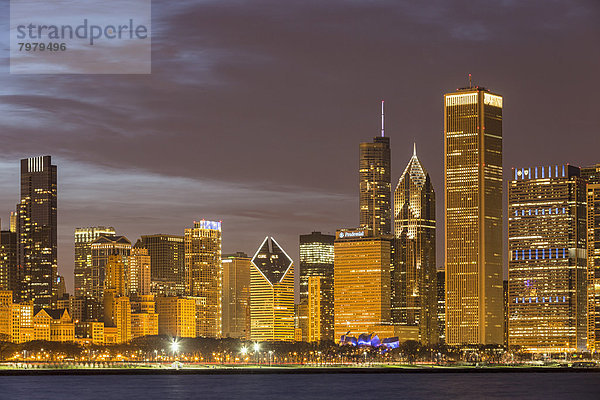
256	73
300	199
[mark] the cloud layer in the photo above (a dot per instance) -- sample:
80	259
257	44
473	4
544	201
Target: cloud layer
254	110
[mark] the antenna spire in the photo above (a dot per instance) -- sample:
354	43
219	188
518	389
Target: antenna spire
470	82
382	121
414	149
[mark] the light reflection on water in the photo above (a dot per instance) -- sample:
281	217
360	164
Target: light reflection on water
547	386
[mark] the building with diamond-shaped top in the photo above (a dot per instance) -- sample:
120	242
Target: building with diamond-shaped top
271	293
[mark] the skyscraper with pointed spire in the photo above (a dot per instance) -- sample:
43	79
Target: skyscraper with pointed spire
414	278
375	184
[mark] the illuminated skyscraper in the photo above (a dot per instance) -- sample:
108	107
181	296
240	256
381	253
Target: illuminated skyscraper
375	185
83	257
547	259
316	260
236	296
137	272
361	282
36	230
473	221
102	249
204	275
167	259
414	279
592	175
271	293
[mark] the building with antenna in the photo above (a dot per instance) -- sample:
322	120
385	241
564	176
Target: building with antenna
375	184
473	220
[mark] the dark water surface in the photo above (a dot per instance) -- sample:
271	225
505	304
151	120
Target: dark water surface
567	385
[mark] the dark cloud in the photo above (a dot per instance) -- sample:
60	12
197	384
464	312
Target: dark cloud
254	110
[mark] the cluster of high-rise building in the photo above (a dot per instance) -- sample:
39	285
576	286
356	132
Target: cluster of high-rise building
377	278
386	281
553	286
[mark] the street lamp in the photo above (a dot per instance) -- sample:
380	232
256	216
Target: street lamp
270	354
244	351
256	349
174	346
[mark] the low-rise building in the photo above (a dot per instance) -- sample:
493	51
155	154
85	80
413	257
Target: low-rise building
176	316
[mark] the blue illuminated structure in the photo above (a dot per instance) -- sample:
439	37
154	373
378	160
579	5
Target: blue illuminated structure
203	224
369	340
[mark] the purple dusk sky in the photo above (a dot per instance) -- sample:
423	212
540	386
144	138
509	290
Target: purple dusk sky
254	110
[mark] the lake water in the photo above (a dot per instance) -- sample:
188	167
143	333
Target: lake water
563	385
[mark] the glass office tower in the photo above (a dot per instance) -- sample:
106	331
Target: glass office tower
36	230
414	277
375	186
547	259
316	260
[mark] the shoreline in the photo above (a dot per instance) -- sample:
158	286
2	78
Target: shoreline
289	370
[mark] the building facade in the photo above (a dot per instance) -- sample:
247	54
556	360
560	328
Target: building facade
167	263
414	279
361	282
9	279
316	331
236	295
13	221
316	261
83	257
204	275
103	248
473	220
271	293
547	259
137	272
592	176
375	186
441	301
176	316
37	231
